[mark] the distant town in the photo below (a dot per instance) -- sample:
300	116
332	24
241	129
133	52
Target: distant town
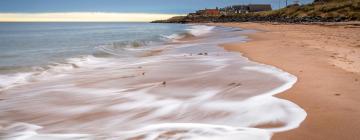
231	10
317	11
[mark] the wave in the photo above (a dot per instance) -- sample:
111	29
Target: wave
244	114
51	70
239	124
198	30
10	80
181	94
178	36
14	76
133	48
191	32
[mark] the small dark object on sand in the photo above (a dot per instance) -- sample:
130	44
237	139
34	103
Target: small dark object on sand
143	73
164	83
231	84
205	53
337	94
75	66
130	76
235	84
139	67
356	79
200	53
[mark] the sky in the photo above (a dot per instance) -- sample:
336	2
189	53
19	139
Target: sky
112	10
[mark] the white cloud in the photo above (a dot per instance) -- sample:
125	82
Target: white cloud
82	17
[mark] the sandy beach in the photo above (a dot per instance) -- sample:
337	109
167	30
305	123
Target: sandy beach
190	87
326	60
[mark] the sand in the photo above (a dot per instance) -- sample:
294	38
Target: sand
326	60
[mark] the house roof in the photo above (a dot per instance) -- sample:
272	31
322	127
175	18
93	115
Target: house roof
253	7
240	7
259	7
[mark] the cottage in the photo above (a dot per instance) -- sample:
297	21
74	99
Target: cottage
240	9
236	9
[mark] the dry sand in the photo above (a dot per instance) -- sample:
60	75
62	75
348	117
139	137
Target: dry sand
326	60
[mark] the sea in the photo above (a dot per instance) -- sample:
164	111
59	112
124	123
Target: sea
137	81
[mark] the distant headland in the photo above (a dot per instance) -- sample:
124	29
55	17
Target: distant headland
318	11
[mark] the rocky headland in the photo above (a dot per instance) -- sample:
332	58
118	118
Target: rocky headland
318	11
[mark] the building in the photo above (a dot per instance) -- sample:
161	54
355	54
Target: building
236	9
259	7
240	9
227	10
208	12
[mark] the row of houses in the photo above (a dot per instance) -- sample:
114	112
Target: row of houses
235	9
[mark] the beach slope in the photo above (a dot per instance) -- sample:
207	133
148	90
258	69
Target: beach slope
326	60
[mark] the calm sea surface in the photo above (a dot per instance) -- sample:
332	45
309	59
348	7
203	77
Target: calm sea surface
24	46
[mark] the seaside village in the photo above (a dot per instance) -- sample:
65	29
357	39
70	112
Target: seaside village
231	10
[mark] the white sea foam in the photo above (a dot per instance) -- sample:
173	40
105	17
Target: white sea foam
173	37
193	30
198	30
24	131
52	70
11	80
193	131
223	96
287	77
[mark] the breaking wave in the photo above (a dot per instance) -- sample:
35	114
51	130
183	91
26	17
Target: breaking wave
192	31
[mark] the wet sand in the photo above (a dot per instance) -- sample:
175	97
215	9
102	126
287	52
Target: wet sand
326	60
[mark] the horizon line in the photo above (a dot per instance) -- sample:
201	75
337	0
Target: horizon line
84	17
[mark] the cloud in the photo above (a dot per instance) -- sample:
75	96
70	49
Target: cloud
82	17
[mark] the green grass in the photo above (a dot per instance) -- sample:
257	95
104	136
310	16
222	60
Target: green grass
349	9
331	10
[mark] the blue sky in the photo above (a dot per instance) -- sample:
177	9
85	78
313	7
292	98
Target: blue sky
123	6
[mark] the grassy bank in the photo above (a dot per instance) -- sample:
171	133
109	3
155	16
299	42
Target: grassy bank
318	11
344	9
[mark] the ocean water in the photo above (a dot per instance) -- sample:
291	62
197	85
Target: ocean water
37	44
136	81
27	47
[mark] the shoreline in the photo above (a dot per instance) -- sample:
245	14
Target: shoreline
325	60
189	84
